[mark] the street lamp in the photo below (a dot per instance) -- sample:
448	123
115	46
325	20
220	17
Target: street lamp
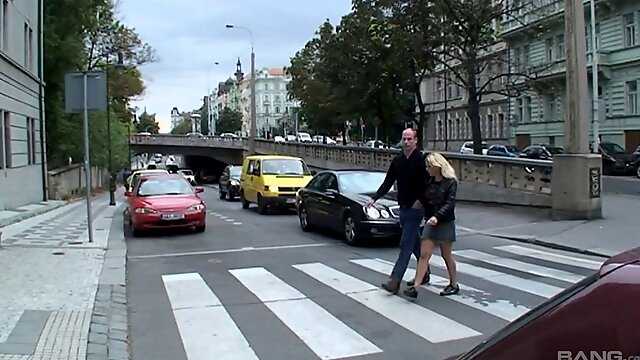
252	126
210	121
112	183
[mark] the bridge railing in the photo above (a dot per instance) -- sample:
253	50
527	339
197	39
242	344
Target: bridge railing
483	178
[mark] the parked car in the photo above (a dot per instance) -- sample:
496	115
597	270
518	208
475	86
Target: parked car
597	318
165	201
336	200
271	181
503	150
189	175
467	148
615	160
133	178
229	184
541	152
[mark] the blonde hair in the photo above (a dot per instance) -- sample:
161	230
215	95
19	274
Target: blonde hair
437	160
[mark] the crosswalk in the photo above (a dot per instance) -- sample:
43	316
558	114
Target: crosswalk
209	330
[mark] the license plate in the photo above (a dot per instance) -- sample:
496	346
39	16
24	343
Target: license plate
172	216
291	201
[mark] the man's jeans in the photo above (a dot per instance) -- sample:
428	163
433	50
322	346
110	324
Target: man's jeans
410	220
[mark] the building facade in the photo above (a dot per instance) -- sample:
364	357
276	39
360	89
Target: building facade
447	125
538	115
176	118
22	138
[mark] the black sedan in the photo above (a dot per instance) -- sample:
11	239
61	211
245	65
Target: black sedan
336	199
229	184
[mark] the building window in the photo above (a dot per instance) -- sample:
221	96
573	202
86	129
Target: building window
549	49
439	91
6	122
632	97
31	140
439	130
560	47
490	126
5	25
28	47
501	126
629	30
277	110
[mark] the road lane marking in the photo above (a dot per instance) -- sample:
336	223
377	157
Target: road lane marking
520	266
468	295
430	326
323	333
550	256
206	328
224	251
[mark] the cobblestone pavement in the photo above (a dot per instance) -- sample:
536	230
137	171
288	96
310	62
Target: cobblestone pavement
108	336
50	270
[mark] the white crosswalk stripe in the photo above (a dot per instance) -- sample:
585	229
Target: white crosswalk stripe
209	331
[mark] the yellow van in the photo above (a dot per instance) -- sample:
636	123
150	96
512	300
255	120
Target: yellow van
271	181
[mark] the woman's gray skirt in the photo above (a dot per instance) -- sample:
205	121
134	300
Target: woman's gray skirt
440	233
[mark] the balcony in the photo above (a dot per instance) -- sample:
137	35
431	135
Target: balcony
545	71
539	16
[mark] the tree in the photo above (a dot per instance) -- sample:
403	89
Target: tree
229	121
183	127
472	54
75	37
147	123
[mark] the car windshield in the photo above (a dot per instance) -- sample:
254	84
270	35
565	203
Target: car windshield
284	167
361	182
235	171
612	148
156	186
187	172
554	150
511	148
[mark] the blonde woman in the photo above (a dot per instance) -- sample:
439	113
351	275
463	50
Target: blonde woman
441	224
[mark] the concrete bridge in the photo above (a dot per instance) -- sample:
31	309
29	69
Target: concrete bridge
485	179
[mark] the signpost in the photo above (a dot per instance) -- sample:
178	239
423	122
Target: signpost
86	91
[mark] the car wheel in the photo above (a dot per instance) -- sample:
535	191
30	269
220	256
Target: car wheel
350	230
303	215
638	171
201	229
245	203
262	207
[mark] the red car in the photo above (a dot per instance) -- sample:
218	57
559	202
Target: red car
165	201
597	318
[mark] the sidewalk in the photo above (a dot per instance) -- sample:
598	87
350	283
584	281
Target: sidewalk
63	297
615	233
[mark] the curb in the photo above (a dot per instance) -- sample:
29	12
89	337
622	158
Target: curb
536	241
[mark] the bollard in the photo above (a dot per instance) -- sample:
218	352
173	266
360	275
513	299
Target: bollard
0	239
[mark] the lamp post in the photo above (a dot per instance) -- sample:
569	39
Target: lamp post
210	121
252	126
112	183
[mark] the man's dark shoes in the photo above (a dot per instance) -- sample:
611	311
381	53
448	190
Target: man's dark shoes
393	286
450	290
411	292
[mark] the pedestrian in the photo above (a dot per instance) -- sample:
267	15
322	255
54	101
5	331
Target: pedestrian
440	228
408	171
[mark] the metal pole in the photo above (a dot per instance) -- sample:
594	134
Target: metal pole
87	165
252	129
595	125
112	185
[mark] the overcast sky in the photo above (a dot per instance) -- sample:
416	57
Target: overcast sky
190	36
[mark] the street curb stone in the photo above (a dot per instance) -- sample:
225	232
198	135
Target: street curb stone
108	332
29	214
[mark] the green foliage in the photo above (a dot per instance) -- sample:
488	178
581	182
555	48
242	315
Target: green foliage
147	123
229	121
184	127
85	34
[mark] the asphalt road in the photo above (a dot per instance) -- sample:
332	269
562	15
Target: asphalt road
257	287
627	185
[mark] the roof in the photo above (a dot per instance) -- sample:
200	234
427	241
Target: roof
142	171
272	157
276	72
351	171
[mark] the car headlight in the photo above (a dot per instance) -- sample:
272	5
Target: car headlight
273	188
197	207
234	182
144	211
372	213
385	214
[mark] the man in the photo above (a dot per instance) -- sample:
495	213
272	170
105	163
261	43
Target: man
409	170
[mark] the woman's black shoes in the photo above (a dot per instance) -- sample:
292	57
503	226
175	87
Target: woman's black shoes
450	290
411	292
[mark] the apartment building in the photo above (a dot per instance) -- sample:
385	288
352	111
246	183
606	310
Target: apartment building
539	115
448	126
22	150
